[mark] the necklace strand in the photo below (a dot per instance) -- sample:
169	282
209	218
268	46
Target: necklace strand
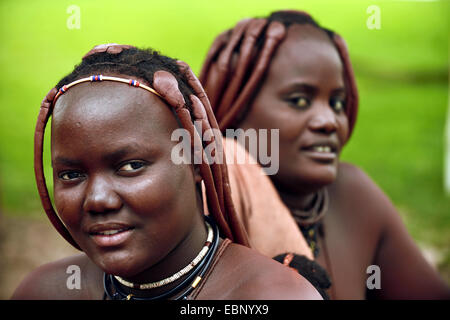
194	278
176	276
310	223
316	213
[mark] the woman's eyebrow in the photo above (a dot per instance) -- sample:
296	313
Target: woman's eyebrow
112	156
339	91
121	152
299	86
60	160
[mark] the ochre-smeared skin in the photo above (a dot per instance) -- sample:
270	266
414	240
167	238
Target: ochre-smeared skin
224	70
215	176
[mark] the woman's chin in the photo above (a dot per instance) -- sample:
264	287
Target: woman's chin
312	183
315	173
309	178
118	264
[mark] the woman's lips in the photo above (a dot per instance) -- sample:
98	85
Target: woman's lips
110	234
321	152
112	240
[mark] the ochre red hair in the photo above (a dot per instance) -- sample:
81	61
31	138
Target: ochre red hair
237	62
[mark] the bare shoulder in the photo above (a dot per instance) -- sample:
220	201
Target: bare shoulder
351	177
361	210
358	194
53	281
262	278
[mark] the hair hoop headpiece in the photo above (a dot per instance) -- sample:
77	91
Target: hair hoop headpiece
98	78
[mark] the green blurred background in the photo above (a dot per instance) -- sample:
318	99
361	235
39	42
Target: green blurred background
401	69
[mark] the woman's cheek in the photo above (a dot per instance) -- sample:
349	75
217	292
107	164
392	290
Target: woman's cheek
68	208
153	194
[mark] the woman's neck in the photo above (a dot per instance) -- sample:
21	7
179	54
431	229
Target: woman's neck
177	259
297	195
302	201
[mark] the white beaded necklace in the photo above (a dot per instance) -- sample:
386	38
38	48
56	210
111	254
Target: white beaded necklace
177	275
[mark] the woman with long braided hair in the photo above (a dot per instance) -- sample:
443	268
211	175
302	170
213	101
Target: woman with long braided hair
286	72
149	228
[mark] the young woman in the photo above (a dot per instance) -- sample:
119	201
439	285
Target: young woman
288	73
137	216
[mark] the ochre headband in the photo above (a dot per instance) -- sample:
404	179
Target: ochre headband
165	85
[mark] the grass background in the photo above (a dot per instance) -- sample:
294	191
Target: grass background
401	69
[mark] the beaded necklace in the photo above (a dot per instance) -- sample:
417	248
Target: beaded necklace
310	221
311	225
200	268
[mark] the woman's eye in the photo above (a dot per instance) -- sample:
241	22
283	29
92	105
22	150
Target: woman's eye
71	175
300	102
338	105
131	166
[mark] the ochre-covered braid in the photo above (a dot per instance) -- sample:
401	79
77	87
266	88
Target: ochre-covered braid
224	79
209	121
350	82
44	114
215	175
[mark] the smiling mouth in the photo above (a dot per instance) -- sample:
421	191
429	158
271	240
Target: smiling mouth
322	149
321	152
104	236
109	232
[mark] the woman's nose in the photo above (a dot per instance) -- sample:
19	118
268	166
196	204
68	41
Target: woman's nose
101	197
323	119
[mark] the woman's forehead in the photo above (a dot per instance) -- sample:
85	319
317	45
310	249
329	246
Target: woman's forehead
96	102
306	31
99	119
305	51
303	40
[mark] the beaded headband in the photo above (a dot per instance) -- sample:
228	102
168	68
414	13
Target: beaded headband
99	78
165	85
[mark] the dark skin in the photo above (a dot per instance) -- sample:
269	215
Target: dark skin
303	95
107	178
112	172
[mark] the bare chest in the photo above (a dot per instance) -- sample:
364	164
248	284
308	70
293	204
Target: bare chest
346	252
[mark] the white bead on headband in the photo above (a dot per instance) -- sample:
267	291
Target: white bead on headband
98	78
